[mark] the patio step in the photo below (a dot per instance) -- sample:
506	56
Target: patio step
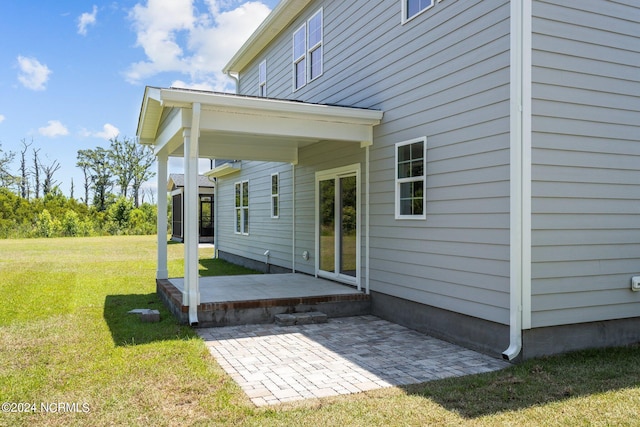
300	318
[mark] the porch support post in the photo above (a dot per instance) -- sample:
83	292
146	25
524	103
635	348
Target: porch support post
162	272
191	297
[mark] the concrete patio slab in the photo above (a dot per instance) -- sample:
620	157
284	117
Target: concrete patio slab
275	364
258	298
264	286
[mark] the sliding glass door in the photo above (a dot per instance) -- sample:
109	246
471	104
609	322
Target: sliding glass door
337	232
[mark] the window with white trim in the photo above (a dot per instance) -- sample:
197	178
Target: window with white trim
300	57
242	207
308	51
413	8
314	26
411	179
262	79
275	195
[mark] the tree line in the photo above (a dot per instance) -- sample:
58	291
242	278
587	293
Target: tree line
112	200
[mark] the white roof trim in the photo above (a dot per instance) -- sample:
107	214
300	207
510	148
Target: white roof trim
279	18
224	170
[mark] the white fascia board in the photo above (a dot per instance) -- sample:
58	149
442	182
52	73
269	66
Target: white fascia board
280	17
170	137
268	107
286	127
224	170
150	113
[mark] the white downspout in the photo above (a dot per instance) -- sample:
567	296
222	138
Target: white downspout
215	217
293	217
520	176
235	77
366	220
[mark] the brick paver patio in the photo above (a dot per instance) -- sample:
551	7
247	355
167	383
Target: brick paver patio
275	364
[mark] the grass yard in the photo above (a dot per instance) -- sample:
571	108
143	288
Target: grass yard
65	338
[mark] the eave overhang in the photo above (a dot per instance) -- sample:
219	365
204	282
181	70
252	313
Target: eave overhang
248	128
277	21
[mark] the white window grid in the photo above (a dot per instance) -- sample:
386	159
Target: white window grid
411	179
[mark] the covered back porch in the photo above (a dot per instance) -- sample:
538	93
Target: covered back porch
198	124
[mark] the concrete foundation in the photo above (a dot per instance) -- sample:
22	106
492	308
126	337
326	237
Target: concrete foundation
477	334
561	339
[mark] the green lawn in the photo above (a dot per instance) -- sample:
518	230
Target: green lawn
65	337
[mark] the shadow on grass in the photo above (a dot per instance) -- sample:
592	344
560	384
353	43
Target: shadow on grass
536	382
219	267
128	329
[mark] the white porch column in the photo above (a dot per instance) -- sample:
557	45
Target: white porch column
162	272
191	296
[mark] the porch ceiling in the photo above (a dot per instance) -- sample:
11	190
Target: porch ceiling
247	128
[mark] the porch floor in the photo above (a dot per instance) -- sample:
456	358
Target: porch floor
257	298
264	286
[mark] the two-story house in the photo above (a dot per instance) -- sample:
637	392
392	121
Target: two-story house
474	165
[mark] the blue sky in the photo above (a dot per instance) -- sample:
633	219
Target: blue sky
72	73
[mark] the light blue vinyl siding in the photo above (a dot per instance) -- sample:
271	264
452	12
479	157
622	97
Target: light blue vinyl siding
586	157
265	233
443	75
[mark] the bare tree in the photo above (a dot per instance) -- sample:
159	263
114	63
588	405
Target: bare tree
24	172
36	172
49	183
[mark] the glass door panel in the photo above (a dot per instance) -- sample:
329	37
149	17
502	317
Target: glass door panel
327	232
348	220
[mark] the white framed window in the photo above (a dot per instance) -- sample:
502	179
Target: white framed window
411	179
242	207
314	31
308	51
275	195
262	79
413	8
300	57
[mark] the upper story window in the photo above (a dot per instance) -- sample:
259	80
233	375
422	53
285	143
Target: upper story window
308	51
412	8
262	78
315	45
299	58
411	179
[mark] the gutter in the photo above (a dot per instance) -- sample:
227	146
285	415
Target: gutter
520	177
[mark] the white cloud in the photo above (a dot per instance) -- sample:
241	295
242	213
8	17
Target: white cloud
33	75
2	117
178	38
87	19
53	129
108	131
